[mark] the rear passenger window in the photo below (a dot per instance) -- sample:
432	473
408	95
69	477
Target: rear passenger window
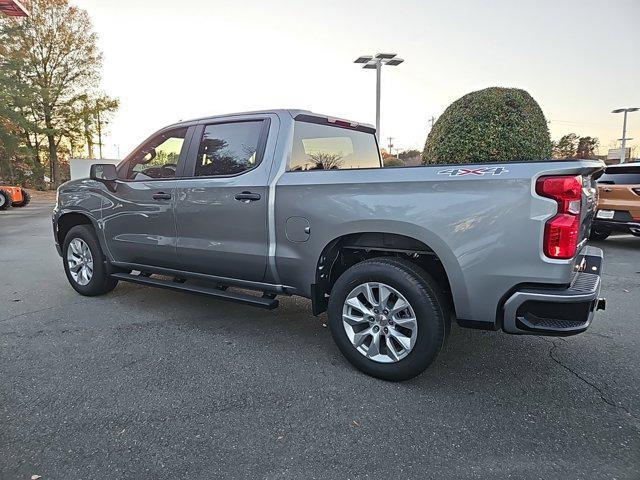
228	148
324	147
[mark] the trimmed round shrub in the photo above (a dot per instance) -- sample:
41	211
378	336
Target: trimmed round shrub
488	126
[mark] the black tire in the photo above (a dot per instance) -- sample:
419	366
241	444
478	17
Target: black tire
421	291
599	234
5	199
26	199
100	282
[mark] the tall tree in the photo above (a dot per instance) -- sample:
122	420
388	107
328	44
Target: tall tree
575	146
566	147
103	109
53	59
409	154
17	156
587	147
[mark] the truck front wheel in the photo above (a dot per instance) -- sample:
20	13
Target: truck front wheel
388	318
84	262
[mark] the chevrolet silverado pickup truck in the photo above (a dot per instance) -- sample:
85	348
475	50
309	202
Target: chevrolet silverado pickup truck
247	207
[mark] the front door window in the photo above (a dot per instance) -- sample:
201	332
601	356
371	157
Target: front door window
158	158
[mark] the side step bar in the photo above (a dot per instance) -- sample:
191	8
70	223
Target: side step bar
261	302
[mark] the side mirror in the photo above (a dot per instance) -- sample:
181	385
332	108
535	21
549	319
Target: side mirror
103	172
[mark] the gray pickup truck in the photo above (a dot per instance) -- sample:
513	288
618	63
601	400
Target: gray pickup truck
250	206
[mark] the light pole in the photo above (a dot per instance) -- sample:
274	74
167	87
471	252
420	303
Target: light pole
624	129
371	62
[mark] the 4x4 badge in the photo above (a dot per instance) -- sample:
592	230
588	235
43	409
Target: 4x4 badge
458	172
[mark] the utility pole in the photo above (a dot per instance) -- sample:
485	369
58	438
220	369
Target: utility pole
390	144
370	62
432	120
624	129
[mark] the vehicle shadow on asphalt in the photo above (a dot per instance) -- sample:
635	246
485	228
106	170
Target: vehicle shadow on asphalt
472	361
622	242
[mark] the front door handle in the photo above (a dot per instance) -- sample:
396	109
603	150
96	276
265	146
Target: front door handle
161	196
247	197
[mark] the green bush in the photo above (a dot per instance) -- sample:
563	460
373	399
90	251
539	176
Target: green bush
491	125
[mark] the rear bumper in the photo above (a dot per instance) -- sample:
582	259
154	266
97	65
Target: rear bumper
632	227
558	312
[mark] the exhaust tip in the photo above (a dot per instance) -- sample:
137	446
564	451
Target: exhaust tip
601	304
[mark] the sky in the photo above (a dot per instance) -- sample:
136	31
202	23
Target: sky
170	60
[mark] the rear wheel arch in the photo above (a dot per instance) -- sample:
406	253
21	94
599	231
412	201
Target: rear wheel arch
347	250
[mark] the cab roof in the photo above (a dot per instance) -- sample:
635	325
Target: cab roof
292	112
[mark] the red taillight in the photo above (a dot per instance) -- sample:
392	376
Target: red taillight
562	232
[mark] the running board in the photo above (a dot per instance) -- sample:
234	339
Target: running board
261	302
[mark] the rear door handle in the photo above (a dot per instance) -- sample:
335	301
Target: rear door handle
247	197
161	196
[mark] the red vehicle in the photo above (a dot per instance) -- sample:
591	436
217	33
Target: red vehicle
13	196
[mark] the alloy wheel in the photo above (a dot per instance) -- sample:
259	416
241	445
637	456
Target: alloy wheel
380	322
80	261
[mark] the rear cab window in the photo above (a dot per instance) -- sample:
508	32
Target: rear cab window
327	147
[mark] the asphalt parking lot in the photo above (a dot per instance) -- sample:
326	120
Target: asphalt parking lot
147	383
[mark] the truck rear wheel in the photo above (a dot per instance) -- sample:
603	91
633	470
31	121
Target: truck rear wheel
5	199
388	318
84	262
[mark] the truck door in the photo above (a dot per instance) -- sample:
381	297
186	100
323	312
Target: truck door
138	214
222	207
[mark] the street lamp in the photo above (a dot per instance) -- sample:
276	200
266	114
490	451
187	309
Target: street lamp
370	63
624	129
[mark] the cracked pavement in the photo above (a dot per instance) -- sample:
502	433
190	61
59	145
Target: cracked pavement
147	383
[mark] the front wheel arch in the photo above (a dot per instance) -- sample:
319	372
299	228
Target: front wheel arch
67	221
